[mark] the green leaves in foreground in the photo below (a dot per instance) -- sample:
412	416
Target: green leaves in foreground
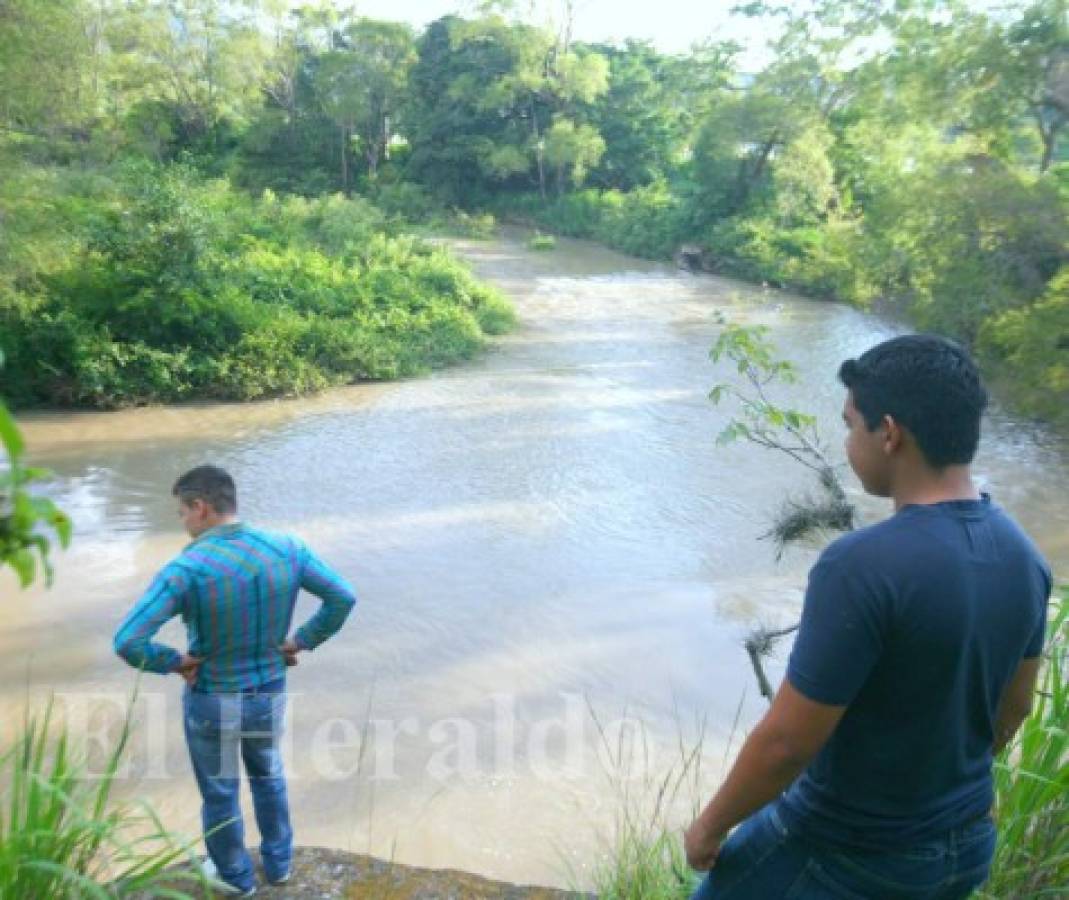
22	545
1032	785
60	836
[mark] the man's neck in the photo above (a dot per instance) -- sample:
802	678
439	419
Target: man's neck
219	522
923	488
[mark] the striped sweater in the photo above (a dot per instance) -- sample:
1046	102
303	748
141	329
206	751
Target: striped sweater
235	588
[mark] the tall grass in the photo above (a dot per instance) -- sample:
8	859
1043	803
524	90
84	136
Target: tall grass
644	858
62	838
1032	786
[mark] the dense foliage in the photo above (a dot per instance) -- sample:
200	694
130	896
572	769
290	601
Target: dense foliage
910	151
174	287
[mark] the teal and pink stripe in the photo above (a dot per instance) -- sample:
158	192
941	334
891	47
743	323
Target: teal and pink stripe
235	588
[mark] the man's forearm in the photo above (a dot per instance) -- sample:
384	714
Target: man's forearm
133	641
1005	729
327	621
765	767
149	656
335	593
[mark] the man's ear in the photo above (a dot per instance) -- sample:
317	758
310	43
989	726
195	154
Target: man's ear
892	435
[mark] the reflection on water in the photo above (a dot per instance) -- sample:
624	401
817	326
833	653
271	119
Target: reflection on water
553	521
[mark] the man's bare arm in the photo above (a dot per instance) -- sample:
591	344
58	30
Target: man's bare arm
1016	702
777	750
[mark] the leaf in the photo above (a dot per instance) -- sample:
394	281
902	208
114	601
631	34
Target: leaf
64	527
9	435
25	566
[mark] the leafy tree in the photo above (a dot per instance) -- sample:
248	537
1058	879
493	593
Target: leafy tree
641	117
485	93
290	142
804	179
738	140
1032	345
360	83
572	150
453	135
199	64
1031	61
44	54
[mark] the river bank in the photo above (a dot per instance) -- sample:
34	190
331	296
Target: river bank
320	873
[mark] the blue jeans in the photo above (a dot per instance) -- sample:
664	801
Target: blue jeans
763	859
218	728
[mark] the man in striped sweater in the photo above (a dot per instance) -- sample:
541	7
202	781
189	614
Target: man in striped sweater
235	588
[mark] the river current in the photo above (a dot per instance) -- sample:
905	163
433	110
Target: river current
556	564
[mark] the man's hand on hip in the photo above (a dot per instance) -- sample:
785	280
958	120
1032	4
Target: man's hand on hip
290	649
189	667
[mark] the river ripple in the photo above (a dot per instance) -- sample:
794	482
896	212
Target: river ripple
543	536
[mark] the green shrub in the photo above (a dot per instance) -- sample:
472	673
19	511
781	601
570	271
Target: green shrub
339	224
541	241
481	226
492	310
180	288
649	221
406	201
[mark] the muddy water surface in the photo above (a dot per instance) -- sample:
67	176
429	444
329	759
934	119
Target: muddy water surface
547	544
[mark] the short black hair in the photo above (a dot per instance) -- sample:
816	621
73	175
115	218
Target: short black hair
211	484
926	383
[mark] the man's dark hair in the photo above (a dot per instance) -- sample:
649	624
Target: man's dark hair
212	485
929	385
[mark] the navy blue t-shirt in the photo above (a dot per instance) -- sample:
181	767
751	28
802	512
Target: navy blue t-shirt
916	625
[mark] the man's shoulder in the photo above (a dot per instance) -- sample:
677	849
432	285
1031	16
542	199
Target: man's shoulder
1013	532
873	557
245	541
867	543
917	537
275	540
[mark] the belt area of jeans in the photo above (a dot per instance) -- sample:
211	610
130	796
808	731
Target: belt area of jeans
272	687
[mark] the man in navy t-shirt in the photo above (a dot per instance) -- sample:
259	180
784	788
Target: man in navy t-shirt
915	662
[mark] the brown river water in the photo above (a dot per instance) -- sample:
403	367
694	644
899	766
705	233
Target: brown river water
556	564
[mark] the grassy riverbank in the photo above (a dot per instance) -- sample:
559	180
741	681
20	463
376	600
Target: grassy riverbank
136	283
